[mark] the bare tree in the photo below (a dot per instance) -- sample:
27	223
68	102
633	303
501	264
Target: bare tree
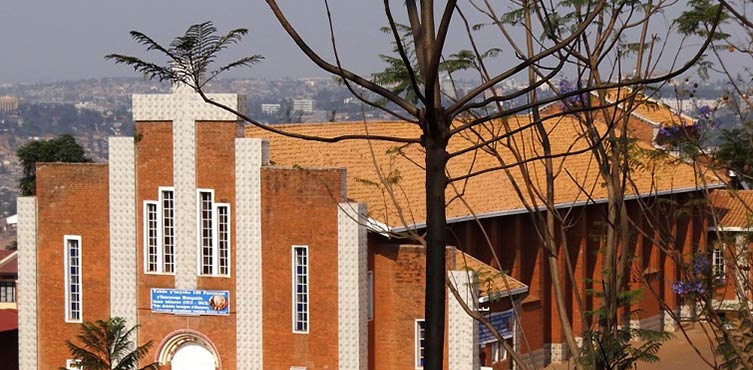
441	116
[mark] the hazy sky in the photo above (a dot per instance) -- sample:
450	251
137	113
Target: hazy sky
45	40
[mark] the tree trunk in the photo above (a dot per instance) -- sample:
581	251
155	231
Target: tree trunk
435	145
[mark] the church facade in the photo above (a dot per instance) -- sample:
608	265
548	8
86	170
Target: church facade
235	252
171	235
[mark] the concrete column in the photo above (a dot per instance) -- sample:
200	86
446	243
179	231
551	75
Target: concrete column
462	329
123	253
352	299
250	156
27	283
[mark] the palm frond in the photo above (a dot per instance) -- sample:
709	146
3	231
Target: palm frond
150	44
190	55
246	61
152	70
107	345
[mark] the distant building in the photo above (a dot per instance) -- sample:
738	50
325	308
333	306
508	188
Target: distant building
9	104
305	106
8	278
270	108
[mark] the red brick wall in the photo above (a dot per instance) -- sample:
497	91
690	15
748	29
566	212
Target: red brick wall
215	169
303	203
72	199
519	248
399	284
154	168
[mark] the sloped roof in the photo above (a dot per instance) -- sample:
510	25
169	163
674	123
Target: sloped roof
492	283
8	262
732	208
649	109
486	194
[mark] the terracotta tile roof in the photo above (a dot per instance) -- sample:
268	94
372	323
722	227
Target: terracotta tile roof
485	194
492	283
649	109
732	208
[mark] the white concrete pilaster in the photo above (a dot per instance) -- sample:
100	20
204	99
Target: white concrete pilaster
352	294
123	250
250	156
462	331
27	283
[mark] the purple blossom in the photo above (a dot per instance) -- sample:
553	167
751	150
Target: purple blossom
573	101
705	111
697	281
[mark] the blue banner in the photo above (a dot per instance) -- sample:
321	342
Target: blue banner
191	302
501	322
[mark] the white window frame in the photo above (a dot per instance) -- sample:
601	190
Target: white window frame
420	336
199	241
216	226
498	348
158	248
67	275
717	262
161	228
73	364
370	295
294	290
160	223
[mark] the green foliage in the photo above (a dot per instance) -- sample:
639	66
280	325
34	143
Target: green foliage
735	152
699	17
735	343
620	350
107	345
397	75
189	55
62	149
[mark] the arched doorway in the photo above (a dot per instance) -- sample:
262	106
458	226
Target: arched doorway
188	350
192	356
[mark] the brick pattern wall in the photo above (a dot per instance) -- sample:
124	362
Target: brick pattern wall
399	283
214	169
154	168
72	200
303	203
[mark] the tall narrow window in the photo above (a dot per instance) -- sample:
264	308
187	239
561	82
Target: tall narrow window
72	245
370	295
213	234
151	240
223	238
168	230
499	353
420	335
300	289
206	236
717	260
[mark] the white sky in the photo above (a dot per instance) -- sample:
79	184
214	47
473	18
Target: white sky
47	40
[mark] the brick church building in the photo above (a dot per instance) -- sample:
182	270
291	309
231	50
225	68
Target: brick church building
237	249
